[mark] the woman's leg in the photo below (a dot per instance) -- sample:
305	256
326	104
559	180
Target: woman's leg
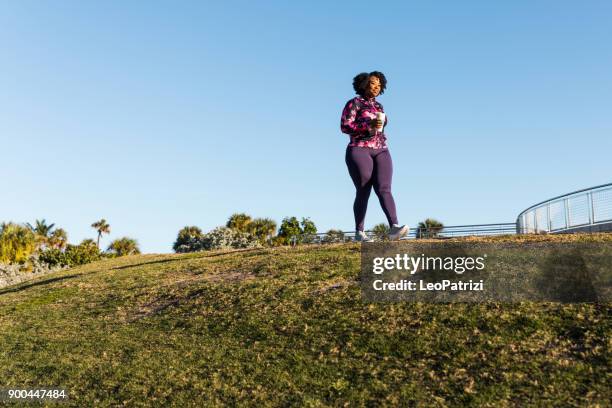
383	173
360	166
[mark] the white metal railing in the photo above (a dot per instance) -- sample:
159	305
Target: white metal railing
578	210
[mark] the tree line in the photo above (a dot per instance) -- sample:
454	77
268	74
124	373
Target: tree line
48	244
44	243
243	231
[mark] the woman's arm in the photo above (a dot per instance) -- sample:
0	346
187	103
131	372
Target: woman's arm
350	124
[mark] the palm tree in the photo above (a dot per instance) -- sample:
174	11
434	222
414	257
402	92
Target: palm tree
189	239
239	221
430	228
41	228
58	239
102	227
42	232
124	246
17	242
262	228
381	231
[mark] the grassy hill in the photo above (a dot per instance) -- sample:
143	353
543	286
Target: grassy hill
287	326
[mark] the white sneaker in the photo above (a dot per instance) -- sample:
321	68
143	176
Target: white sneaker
396	232
361	236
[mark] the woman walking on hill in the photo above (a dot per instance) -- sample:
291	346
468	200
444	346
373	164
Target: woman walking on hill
367	156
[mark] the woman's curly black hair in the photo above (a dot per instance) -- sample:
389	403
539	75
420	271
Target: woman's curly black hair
360	82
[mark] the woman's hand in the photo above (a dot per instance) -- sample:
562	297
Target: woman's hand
376	123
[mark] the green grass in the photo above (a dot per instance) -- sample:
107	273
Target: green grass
287	326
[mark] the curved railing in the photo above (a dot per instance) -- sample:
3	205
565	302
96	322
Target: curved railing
588	210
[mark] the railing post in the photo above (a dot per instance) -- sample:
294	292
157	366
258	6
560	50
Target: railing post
566	211
591	209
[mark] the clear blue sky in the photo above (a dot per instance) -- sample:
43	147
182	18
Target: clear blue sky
158	114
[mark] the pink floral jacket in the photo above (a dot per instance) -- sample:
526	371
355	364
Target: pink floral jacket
355	121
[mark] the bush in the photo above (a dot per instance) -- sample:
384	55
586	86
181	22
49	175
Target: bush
86	252
226	238
189	239
279	241
124	246
53	257
334	235
263	229
17	243
381	232
309	231
308	227
291	229
430	228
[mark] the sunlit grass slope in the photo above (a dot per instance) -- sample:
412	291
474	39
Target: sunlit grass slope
287	326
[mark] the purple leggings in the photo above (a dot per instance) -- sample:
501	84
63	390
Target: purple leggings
371	167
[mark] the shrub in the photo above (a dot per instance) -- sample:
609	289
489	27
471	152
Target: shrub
309	231
225	238
430	228
308	227
54	257
263	229
189	239
17	243
381	232
87	251
279	241
334	235
124	246
291	229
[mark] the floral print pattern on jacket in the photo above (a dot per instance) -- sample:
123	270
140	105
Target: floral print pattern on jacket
355	121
